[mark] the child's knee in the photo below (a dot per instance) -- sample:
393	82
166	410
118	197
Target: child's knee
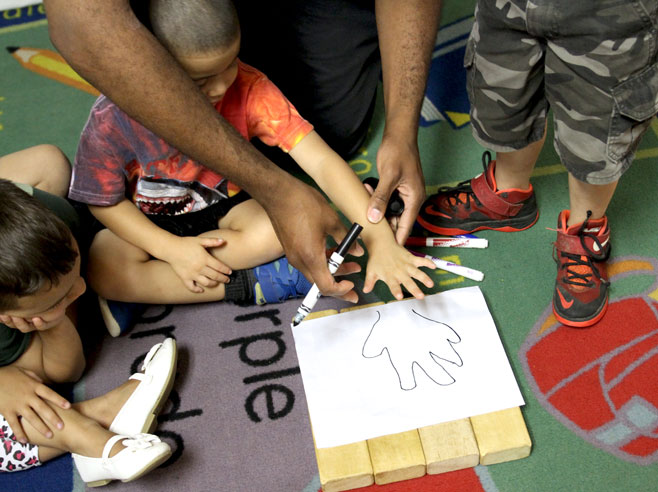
56	174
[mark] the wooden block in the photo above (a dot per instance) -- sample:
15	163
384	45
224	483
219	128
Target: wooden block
343	467
397	457
501	436
354	308
320	314
449	446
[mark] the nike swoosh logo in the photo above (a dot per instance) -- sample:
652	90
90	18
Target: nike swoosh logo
563	301
596	246
430	210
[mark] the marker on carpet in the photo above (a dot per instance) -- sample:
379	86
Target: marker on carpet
334	262
448	242
448	266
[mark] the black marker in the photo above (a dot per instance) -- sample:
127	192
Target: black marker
334	262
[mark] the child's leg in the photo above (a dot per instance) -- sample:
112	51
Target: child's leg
16	456
513	169
584	197
250	237
44	167
80	435
120	271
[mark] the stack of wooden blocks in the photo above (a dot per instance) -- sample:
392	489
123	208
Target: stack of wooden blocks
483	439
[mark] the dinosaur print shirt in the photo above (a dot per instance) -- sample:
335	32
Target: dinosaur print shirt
118	158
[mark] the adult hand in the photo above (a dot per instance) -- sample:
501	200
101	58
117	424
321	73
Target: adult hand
398	165
303	219
23	394
194	265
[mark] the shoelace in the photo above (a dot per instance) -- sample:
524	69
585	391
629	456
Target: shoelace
583	279
464	188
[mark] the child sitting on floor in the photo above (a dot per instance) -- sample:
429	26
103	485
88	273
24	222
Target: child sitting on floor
175	229
39	343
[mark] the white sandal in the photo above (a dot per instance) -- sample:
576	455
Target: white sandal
143	453
139	412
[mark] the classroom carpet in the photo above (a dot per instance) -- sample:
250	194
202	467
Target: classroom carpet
237	418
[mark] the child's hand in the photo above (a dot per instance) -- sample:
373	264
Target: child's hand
196	267
24	325
23	394
395	266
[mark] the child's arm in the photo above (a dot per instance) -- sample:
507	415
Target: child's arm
188	256
387	260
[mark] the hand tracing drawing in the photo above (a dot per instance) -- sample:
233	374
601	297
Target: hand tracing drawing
424	344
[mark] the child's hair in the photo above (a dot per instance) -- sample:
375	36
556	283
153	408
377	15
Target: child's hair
36	246
190	27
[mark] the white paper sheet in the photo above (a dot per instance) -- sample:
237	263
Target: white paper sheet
404	365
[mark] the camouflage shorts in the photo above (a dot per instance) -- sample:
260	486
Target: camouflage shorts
593	62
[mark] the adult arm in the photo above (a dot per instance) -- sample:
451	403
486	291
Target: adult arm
107	45
407	32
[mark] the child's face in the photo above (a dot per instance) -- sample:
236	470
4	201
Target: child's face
213	72
51	301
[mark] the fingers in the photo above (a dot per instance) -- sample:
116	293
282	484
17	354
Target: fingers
210	277
214	263
379	200
211	242
405	225
347	268
55	398
192	286
38	323
21	324
351	295
35	421
16	426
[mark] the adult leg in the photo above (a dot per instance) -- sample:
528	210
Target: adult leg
324	56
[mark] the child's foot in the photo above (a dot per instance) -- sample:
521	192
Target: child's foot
476	204
139	455
119	317
581	289
278	281
138	413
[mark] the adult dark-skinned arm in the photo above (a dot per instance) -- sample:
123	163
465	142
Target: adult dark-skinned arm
407	33
107	45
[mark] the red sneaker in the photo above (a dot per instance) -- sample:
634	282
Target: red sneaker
581	288
476	204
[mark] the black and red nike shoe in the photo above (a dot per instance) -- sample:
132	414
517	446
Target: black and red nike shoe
581	288
476	204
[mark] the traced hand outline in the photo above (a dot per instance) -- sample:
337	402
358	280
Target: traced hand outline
426	344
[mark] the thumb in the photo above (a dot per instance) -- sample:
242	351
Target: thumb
211	242
379	201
